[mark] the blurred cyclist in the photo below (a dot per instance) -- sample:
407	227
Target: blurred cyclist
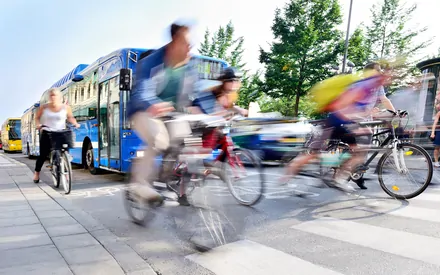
221	99
345	110
164	82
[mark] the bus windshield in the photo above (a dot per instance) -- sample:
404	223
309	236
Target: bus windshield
14	130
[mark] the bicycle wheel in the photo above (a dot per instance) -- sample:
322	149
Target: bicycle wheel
55	168
415	156
205	224
66	173
254	169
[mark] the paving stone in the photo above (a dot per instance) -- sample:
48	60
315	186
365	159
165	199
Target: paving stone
87	254
52	214
109	267
58	268
86	220
21	230
17	214
51	222
65	230
30	255
18	221
21	241
74	241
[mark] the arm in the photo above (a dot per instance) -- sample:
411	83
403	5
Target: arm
242	111
437	116
385	101
38	116
71	118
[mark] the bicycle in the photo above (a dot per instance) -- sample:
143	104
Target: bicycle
183	162
394	147
236	159
59	158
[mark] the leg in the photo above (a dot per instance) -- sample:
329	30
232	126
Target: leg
154	133
44	152
436	155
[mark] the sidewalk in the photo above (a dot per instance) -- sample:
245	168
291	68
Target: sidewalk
41	232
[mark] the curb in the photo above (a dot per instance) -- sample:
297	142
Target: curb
128	259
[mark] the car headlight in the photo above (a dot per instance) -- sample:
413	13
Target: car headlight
140	154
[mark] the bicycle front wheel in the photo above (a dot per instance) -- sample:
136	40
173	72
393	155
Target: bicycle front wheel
55	169
414	170
245	168
66	173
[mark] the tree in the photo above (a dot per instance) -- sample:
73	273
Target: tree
388	36
358	50
223	45
306	45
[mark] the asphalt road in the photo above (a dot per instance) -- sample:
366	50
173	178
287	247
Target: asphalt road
325	233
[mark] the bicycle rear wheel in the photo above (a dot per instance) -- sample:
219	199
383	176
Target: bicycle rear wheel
66	173
418	166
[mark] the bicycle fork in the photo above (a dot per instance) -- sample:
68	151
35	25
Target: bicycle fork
398	157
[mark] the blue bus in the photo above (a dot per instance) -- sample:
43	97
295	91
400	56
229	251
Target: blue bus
99	99
30	138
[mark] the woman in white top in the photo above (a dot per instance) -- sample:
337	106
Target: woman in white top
53	116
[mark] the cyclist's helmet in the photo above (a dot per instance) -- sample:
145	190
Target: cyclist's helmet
230	74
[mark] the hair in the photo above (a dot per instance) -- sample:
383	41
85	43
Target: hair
176	28
371	65
54	90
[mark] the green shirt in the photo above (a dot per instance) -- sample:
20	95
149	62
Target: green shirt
174	78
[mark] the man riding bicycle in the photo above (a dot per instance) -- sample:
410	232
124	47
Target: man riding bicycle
345	110
164	83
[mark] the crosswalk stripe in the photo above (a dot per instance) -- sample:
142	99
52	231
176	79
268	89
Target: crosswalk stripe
410	245
250	258
428	197
413	212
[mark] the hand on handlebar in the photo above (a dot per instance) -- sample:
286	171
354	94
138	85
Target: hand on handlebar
160	109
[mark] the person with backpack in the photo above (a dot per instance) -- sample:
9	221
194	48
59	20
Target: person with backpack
345	98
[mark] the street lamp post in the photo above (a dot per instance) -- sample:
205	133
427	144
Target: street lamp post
346	37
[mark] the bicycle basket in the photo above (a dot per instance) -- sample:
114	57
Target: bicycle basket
59	138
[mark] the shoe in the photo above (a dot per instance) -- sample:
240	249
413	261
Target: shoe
361	184
436	164
37	181
183	200
343	185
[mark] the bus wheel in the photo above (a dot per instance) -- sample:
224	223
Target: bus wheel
89	163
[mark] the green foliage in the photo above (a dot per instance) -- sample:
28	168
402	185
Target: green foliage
358	50
307	43
223	45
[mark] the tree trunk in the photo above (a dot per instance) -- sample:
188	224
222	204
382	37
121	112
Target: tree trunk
297	97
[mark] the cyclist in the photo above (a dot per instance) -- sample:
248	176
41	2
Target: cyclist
53	116
220	101
345	110
164	82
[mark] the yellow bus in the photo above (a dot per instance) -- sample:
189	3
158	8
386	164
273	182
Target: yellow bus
11	135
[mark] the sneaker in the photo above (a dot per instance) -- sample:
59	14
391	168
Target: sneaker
343	185
183	200
436	164
146	192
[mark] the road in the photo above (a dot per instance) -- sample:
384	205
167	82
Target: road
327	233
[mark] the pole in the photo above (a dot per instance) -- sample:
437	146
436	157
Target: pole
346	38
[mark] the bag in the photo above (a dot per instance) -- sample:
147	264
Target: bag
327	91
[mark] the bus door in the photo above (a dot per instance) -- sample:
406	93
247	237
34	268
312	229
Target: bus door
109	125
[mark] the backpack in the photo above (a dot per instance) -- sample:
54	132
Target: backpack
327	91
